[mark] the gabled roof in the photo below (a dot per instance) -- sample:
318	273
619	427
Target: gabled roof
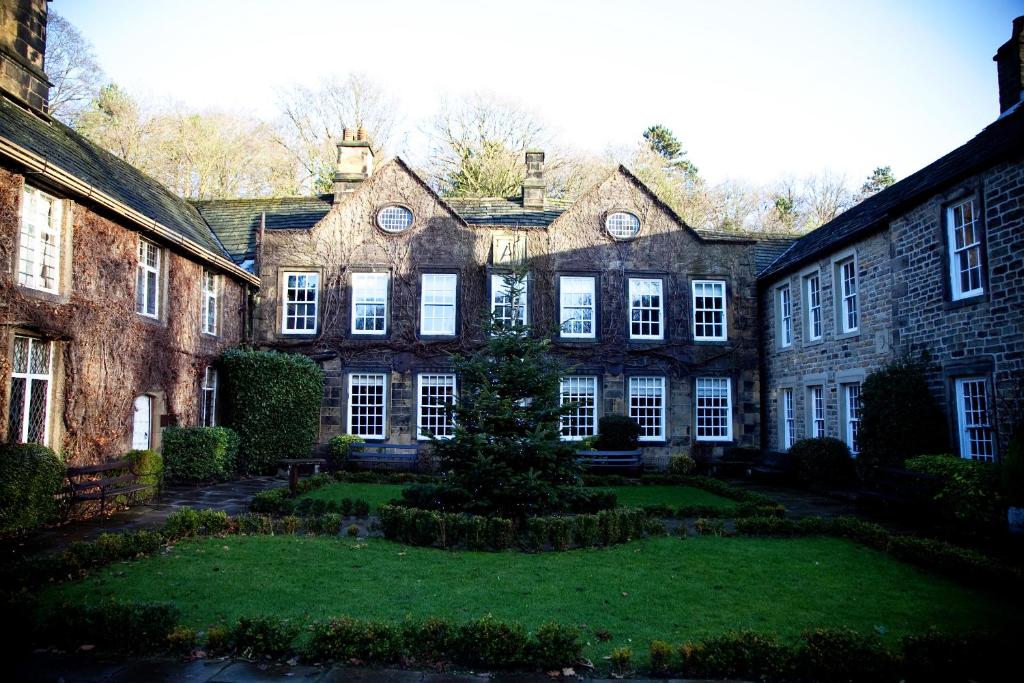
769	249
62	151
236	222
509	211
998	141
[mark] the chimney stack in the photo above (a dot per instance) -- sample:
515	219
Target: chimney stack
355	162
1009	61
534	189
22	51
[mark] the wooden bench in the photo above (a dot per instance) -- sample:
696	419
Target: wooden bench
772	465
600	460
897	487
106	481
294	464
390	456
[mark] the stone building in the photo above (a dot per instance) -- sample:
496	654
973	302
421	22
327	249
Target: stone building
383	280
932	264
115	296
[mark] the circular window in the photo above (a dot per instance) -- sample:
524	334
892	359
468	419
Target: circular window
622	225
394	219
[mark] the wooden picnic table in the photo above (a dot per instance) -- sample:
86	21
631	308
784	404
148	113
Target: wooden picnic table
293	465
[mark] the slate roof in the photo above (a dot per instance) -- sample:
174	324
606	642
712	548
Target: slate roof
498	211
62	147
999	140
236	221
769	249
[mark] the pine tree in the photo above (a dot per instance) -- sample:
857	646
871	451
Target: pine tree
506	456
879	179
665	143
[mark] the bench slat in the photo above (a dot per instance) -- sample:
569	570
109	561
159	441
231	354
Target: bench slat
94	469
103	483
112	493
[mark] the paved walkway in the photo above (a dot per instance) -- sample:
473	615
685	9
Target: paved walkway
68	669
232	497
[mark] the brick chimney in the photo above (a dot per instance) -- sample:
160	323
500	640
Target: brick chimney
355	162
22	49
534	188
1009	61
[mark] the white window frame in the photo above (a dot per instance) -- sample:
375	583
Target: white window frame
958	253
378	378
500	288
784	298
370	289
39	240
147	275
211	289
816	411
848	290
699	293
622	225
582	390
788	413
570	286
208	400
636	383
635	284
714	384
851	416
812	304
438	292
445	380
971	432
312	283
20	433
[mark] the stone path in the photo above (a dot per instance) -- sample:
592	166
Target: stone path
232	497
69	669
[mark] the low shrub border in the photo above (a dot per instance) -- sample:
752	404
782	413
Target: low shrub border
487	643
962	564
751	503
430	528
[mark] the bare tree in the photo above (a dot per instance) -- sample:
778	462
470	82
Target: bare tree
827	195
313	119
72	68
114	121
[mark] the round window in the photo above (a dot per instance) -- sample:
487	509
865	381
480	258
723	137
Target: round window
394	219
622	225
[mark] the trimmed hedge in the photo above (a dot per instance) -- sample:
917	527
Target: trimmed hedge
822	462
617	433
130	628
339	448
431	528
970	491
274	404
31	476
200	454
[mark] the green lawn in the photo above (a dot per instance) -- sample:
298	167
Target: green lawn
628	496
666	587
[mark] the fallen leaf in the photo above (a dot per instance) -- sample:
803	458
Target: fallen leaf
625	594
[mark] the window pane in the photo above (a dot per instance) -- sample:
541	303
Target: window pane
709	310
645	309
622	225
577	306
369	301
977	438
506	311
437	313
437	393
582	421
713	407
366	405
647	406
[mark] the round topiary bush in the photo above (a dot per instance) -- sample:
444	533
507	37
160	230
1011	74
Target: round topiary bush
617	433
274	405
149	467
681	465
31	475
339	448
822	462
199	454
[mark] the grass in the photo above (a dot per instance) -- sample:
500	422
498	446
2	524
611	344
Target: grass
666	588
628	496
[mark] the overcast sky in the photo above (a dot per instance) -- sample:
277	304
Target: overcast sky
755	90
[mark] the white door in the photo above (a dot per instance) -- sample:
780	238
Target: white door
141	423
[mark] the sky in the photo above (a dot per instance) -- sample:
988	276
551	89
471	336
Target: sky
755	90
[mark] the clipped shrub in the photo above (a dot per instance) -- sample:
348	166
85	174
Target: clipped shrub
264	636
661	657
743	655
182	639
841	654
110	626
274	403
188	522
617	433
218	639
339	448
490	643
590	500
822	462
199	454
622	661
31	475
556	646
681	465
148	466
429	641
252	524
969	490
273	502
434	496
560	532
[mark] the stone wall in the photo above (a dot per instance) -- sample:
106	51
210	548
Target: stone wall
22	49
348	240
106	353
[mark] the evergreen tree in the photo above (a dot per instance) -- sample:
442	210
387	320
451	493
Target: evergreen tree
506	456
879	179
666	144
